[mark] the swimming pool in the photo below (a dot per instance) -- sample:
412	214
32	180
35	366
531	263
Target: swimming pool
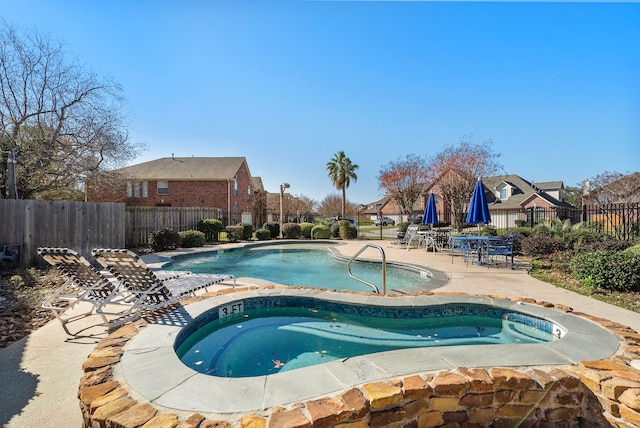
259	336
309	265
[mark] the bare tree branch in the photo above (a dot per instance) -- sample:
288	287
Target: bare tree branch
65	122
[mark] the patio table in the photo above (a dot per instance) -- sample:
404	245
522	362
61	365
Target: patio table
476	243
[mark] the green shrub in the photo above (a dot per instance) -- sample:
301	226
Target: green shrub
585	238
235	233
320	231
164	239
540	246
607	270
247	231
488	230
552	227
520	231
211	227
192	238
610	244
263	234
305	229
517	244
633	250
335	230
291	231
272	227
347	230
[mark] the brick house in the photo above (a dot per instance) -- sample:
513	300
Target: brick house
214	182
615	205
624	190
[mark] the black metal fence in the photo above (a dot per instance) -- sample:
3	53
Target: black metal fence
620	220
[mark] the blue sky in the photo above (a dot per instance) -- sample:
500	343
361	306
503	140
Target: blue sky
287	84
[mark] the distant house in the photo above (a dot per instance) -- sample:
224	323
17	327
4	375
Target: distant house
624	190
387	207
510	198
507	194
615	206
214	182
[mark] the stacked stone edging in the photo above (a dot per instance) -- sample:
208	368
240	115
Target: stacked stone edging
599	393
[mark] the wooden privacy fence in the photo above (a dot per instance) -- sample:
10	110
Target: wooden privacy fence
81	226
141	221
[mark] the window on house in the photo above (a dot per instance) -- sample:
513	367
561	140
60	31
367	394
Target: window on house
163	187
236	192
248	192
137	189
503	193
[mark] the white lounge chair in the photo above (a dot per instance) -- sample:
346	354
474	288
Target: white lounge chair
83	283
142	289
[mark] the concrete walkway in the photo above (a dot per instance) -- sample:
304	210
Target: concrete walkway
39	375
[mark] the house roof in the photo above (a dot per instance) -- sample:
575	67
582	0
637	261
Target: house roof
186	169
256	183
550	185
624	189
523	191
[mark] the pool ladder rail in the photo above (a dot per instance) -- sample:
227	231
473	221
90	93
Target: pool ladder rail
384	269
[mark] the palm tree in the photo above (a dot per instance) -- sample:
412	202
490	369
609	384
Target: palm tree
341	172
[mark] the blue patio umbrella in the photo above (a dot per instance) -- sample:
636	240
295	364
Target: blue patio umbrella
430	215
478	207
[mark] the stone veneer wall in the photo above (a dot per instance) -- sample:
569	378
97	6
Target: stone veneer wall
600	393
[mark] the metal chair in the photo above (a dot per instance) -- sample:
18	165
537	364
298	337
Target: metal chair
459	245
497	248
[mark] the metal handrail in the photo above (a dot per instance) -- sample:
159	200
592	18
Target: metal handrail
384	269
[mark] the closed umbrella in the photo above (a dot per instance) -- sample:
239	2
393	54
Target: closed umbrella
478	207
430	215
478	211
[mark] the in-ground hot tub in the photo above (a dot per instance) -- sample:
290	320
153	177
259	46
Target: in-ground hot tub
151	367
267	335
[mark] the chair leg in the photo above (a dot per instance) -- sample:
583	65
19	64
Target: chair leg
57	312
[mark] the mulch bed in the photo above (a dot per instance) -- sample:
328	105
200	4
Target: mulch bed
21	293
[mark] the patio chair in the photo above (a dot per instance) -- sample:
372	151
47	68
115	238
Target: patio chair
497	248
83	283
436	240
410	237
142	289
459	245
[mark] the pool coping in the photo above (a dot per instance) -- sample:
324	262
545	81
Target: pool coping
150	366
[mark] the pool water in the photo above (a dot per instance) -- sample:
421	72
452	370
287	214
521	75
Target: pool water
306	267
271	340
